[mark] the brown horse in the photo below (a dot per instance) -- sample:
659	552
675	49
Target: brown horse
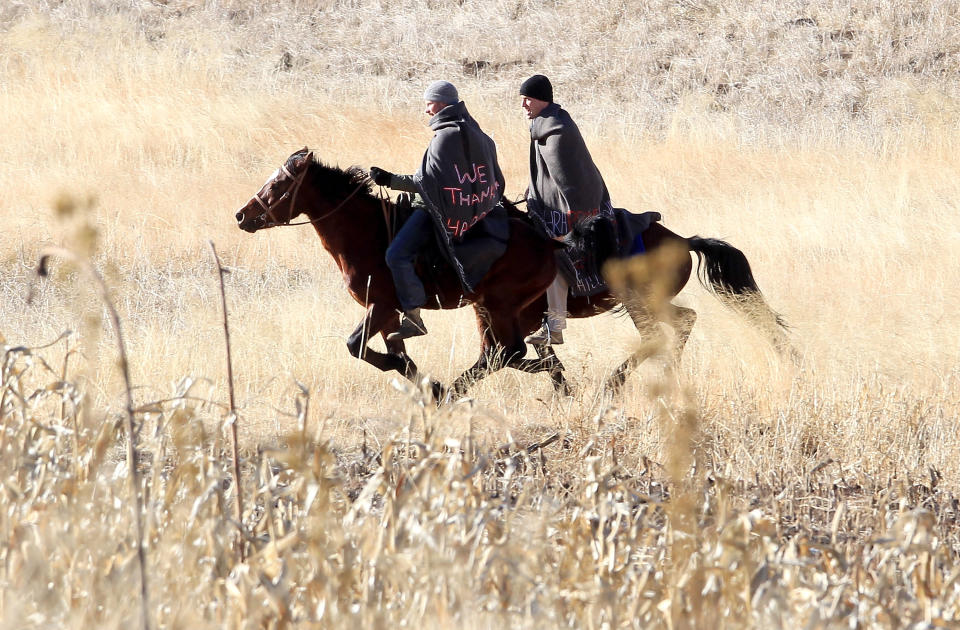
355	226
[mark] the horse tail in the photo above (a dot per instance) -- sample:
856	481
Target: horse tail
724	271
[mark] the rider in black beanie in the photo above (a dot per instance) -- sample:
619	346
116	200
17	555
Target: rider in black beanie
538	87
565	188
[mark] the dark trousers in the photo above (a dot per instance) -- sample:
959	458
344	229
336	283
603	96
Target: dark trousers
409	241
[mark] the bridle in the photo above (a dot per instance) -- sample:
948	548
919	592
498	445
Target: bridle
292	193
270	220
295	189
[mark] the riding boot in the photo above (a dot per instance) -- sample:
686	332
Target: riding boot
546	336
551	333
411	325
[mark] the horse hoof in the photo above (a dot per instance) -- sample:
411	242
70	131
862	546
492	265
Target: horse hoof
439	392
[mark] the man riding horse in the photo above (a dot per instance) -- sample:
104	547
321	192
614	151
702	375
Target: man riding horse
459	185
565	188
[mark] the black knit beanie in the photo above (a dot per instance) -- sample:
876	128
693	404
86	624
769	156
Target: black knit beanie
538	87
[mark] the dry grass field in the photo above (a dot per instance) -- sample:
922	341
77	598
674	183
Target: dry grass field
739	490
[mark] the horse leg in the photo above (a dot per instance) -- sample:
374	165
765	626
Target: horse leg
530	320
548	361
384	321
471	375
550	358
494	357
371	325
502	346
682	320
616	380
411	372
652	342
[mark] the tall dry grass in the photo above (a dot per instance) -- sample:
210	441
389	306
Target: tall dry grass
819	138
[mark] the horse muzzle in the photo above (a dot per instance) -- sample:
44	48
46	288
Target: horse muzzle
250	223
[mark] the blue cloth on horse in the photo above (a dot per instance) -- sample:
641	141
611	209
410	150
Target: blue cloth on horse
630	229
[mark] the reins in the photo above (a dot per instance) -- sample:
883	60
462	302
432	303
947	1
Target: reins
295	190
320	218
388	215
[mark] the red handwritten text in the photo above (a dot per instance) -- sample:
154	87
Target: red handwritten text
479	174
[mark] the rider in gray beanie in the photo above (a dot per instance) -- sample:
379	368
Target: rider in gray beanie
447	205
441	92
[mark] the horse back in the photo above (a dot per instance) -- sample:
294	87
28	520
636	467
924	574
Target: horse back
525	270
656	237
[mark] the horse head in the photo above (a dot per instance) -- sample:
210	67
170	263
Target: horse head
275	202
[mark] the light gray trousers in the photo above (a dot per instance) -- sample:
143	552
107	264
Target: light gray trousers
557	303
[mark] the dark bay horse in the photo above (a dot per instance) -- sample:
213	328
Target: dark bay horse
354	227
354	224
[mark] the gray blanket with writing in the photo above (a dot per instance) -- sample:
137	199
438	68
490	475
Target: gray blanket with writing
565	188
461	182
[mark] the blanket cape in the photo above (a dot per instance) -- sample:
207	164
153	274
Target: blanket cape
565	188
461	183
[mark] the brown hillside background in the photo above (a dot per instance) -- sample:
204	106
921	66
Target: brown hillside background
743	489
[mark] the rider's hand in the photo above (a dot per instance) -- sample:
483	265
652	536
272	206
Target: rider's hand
380	177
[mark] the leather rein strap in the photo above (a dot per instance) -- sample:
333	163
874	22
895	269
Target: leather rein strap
295	190
328	214
388	216
387	208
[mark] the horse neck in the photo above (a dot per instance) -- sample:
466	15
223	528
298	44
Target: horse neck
347	229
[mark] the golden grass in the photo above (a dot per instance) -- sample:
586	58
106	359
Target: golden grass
744	492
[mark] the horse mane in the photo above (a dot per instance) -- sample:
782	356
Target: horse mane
336	181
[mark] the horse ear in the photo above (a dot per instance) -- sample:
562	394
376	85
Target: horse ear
307	155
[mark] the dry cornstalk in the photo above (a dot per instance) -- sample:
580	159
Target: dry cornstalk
233	407
132	454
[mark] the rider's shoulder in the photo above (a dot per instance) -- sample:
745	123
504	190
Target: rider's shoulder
447	135
544	126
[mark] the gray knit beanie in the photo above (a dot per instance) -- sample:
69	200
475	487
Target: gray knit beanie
441	92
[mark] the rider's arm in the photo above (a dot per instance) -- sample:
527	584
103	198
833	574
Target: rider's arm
403	183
